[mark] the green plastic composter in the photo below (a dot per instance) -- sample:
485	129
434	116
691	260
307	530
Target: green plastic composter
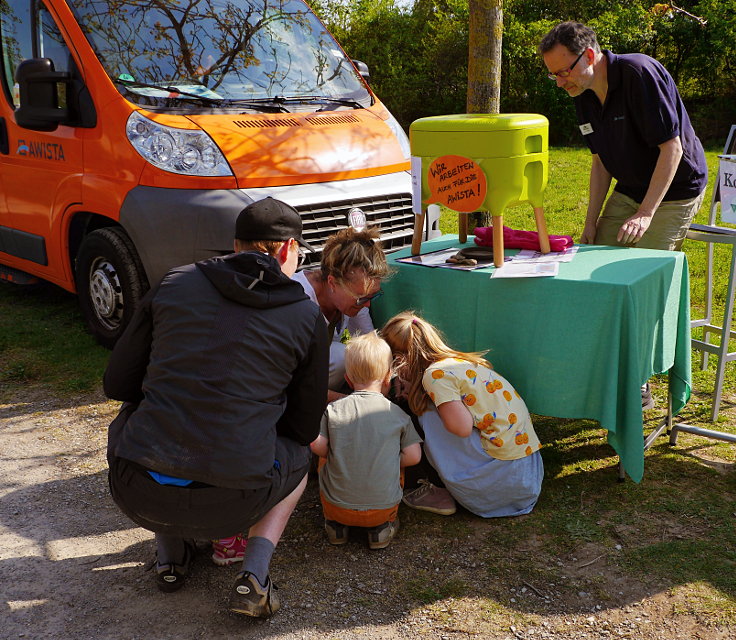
510	150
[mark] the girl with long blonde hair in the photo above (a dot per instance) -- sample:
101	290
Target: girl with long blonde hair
478	434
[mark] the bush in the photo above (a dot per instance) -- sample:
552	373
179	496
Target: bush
418	54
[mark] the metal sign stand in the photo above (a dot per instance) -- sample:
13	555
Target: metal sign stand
714	234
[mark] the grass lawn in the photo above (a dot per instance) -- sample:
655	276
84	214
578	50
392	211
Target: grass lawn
674	532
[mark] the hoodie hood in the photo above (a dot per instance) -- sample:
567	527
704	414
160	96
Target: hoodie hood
253	279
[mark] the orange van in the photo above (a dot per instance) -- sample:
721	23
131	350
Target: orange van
132	132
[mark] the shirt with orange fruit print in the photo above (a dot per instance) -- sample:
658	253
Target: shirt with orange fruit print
499	413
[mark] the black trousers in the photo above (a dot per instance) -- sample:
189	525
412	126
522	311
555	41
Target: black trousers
423	470
203	511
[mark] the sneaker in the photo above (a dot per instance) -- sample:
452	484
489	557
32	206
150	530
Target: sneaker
171	577
427	497
249	598
337	533
227	551
380	537
647	402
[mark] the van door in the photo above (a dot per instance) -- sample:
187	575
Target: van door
40	172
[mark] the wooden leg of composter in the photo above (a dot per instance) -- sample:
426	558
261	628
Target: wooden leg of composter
416	241
542	229
463	227
498	241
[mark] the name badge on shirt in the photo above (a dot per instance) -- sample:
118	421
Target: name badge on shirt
586	129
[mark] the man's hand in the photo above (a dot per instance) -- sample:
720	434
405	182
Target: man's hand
670	153
588	235
633	229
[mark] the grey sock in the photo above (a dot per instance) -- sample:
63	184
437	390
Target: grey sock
257	558
170	549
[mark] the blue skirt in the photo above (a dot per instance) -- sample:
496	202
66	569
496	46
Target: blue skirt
485	486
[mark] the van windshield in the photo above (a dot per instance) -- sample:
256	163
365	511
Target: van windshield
219	51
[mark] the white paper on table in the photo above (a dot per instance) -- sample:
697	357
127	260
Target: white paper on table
526	270
528	255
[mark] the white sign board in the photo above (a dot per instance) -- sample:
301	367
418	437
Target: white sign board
416	184
727	177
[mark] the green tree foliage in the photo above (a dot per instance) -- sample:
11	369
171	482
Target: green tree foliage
417	53
417	56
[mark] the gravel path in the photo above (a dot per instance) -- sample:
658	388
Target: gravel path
71	566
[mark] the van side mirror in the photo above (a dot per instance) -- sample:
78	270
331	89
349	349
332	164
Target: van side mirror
39	108
362	68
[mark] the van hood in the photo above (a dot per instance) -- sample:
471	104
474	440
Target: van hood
267	150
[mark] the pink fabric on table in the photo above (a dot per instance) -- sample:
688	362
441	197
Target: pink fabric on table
518	239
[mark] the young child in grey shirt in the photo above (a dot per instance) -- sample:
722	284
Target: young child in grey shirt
365	442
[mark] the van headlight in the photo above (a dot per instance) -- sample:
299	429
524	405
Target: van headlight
186	151
403	139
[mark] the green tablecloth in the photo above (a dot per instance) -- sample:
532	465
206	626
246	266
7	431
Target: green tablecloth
578	345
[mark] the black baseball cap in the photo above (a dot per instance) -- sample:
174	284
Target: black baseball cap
270	219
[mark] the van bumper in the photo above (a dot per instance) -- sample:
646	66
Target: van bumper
172	227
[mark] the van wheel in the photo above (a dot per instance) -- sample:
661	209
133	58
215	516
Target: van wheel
110	283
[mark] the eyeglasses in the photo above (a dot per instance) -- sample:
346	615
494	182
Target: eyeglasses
359	302
362	300
565	72
301	257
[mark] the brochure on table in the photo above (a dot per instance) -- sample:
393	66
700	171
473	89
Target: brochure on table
534	264
525	264
528	255
512	269
439	259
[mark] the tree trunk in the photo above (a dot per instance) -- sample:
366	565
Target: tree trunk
484	67
484	56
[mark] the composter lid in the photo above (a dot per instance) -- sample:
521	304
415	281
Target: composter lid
480	122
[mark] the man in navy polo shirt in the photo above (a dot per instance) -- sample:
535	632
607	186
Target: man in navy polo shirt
635	124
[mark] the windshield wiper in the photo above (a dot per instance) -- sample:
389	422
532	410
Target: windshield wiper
173	90
266	105
260	104
346	102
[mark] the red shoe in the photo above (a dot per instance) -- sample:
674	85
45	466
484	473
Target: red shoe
430	498
227	551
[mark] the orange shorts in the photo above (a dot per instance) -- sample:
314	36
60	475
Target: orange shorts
355	517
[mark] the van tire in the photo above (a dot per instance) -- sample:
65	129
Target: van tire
110	282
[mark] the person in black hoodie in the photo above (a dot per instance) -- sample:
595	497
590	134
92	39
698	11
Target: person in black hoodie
223	374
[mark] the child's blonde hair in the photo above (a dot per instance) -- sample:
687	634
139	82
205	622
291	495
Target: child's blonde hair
367	359
416	344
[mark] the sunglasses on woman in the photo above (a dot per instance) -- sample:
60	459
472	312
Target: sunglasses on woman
362	300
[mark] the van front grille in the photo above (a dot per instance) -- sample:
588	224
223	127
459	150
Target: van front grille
391	213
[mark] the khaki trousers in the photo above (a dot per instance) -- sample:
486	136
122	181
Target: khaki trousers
668	227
